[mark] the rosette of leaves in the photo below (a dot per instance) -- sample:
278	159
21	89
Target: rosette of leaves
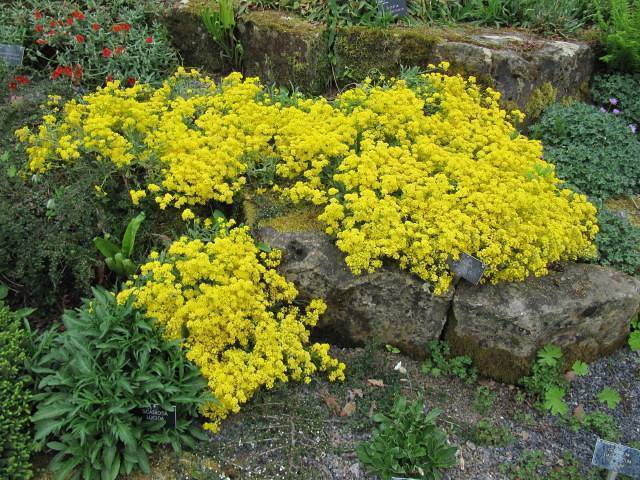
15	407
407	443
118	257
95	375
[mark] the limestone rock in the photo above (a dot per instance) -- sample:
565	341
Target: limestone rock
584	309
389	306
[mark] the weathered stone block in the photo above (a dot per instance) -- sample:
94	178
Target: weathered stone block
389	306
584	309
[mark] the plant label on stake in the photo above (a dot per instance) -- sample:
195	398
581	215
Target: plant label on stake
617	459
467	267
156	414
397	8
12	55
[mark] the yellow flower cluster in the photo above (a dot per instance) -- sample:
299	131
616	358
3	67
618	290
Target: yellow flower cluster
417	172
235	316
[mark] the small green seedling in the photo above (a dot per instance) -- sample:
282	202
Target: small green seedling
609	396
634	338
118	257
554	401
580	368
549	355
392	349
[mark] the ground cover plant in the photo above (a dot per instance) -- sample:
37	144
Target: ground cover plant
87	44
15	393
417	175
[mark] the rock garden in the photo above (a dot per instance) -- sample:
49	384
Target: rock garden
385	239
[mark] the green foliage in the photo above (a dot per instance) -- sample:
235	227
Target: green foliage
407	443
440	362
108	362
580	368
220	20
549	355
15	406
634	338
620	24
483	400
618	242
486	433
595	152
75	50
602	424
118	257
554	401
609	396
531	466
618	91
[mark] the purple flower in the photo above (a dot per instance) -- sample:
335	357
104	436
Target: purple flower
616	111
602	110
634	128
613	101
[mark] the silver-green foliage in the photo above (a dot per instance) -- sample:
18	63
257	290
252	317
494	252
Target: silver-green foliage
94	375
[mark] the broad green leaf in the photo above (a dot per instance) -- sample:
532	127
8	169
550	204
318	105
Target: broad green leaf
549	355
554	401
106	247
129	238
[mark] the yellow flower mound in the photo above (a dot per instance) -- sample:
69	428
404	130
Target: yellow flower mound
235	314
416	173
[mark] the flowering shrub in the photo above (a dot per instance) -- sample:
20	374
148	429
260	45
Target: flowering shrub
235	316
618	95
101	42
415	173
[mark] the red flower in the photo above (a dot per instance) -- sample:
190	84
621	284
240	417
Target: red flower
121	27
41	41
70	21
149	40
51	32
78	14
52	23
77	72
39	28
37	14
95	26
60	71
131	81
13	85
109	78
106	52
79	38
119	50
22	80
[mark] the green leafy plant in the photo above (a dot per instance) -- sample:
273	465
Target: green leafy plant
603	424
620	24
609	396
618	242
549	355
220	20
483	400
118	257
440	362
486	433
634	338
407	443
618	94
554	401
15	394
93	377
594	151
580	368
531	466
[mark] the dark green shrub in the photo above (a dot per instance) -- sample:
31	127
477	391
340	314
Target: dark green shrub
407	443
15	396
619	92
594	152
618	242
92	377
